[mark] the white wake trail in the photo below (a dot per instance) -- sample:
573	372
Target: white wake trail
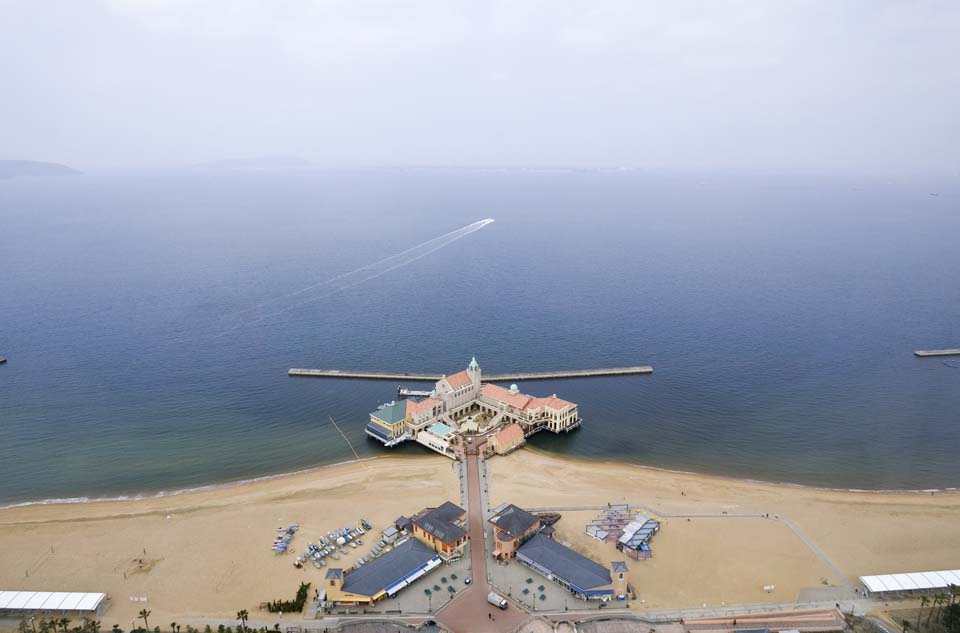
364	273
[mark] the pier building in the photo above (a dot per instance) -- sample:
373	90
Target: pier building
461	405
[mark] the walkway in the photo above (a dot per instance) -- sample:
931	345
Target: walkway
470	613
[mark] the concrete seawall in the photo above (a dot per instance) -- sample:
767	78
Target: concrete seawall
537	375
937	352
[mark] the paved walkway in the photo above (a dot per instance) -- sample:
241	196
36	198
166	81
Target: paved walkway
471	613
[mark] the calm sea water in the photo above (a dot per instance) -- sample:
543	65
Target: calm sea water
780	315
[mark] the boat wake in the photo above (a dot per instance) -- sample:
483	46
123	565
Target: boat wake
344	281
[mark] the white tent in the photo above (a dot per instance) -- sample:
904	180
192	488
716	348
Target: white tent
915	582
18	602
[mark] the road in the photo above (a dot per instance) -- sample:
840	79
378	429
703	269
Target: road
471	613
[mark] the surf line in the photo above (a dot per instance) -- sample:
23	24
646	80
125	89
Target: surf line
364	273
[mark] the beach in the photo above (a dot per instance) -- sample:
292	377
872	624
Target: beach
730	559
207	554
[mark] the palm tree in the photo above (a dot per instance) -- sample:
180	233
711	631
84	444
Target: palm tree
242	615
924	601
940	599
144	614
116	629
906	626
954	592
929	602
64	622
173	627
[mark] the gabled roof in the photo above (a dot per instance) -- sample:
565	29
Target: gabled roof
513	520
439	522
522	401
387	569
459	379
498	393
509	434
414	407
552	402
392	413
564	562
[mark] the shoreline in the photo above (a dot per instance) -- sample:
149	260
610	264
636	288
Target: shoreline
235	483
207	553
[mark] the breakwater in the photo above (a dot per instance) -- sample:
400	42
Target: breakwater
535	375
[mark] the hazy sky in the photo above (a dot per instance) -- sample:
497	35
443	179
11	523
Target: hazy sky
861	86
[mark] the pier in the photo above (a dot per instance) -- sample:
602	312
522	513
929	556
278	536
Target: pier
937	352
535	375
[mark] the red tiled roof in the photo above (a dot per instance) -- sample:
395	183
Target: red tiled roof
509	435
459	379
552	402
500	394
414	408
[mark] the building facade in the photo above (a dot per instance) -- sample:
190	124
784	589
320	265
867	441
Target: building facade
442	529
461	404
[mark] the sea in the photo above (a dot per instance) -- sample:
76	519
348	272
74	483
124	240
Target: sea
150	317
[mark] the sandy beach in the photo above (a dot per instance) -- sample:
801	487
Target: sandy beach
715	560
208	553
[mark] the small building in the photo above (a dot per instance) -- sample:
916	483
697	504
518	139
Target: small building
403	523
21	604
382	577
442	529
577	573
390	534
507	439
636	534
512	526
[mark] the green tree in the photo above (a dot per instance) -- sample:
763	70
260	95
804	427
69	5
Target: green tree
144	614
951	618
940	600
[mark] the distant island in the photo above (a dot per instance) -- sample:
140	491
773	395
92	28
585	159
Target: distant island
263	162
33	168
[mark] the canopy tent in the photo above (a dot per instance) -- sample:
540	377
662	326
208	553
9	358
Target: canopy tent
60	601
911	582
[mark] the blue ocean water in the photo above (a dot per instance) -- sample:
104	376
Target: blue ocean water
780	314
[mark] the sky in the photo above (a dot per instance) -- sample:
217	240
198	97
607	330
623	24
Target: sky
869	86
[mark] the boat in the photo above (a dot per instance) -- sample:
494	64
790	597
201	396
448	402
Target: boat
3	359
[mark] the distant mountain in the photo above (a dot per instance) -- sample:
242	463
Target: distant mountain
33	168
263	162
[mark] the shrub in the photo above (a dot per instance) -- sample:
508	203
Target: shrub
289	606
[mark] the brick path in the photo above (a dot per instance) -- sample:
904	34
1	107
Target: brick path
470	613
